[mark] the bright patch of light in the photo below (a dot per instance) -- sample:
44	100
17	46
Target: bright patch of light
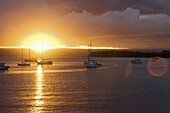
80	47
86	47
41	41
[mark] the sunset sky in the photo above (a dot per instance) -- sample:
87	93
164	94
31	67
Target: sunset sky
129	24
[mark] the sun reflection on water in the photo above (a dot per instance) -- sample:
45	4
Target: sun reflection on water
39	86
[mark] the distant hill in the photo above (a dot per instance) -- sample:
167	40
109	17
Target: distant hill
52	53
116	53
47	53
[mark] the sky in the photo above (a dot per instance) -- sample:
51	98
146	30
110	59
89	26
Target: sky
133	24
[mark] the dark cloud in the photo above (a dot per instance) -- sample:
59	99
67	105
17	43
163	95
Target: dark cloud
126	22
121	28
94	6
149	6
145	6
107	22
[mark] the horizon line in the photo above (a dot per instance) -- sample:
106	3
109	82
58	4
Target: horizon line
80	47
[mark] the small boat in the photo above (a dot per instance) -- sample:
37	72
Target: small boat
23	63
91	63
3	67
154	59
30	59
136	61
44	62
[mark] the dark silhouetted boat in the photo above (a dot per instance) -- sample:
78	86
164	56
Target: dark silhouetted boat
23	63
136	61
3	67
30	59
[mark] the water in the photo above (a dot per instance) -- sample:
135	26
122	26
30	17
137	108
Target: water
66	86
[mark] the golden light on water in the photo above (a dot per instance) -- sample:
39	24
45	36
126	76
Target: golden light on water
39	93
39	84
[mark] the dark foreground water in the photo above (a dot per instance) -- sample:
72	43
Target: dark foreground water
66	86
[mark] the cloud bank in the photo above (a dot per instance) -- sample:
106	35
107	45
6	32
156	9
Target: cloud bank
124	23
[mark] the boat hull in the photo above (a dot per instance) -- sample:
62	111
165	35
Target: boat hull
45	63
30	60
23	64
92	65
4	68
134	62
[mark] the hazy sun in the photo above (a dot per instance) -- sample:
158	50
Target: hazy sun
41	41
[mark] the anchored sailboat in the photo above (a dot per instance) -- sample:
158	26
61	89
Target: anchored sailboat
136	60
91	63
43	61
23	63
30	59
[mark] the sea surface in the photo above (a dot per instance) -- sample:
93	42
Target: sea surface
66	86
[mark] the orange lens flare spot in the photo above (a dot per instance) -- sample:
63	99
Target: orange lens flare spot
157	66
128	69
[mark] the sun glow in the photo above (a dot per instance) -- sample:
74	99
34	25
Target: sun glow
86	47
41	41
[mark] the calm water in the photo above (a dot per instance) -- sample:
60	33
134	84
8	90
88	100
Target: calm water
66	86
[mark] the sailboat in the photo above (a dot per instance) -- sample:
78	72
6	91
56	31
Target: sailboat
44	61
91	63
23	63
136	60
30	59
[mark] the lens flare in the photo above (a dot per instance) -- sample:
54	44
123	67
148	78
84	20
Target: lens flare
128	69
157	68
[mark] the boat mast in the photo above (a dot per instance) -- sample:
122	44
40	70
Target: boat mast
22	55
135	53
29	53
88	52
90	49
42	50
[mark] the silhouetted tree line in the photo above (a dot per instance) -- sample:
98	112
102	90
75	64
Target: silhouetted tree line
114	53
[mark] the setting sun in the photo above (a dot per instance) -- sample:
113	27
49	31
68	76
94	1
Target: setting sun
41	41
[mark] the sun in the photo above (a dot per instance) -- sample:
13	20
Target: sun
41	41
